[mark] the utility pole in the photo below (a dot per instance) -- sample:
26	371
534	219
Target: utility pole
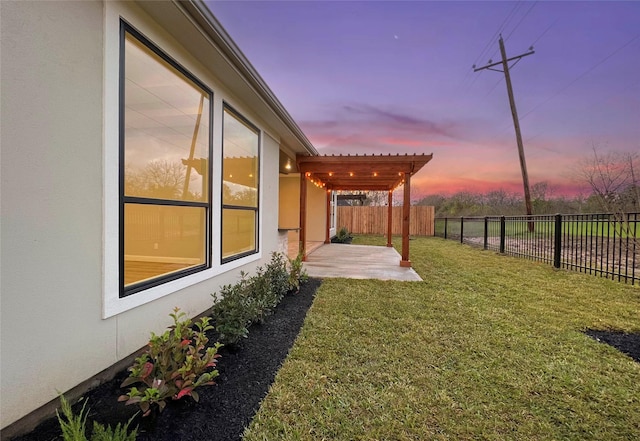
516	123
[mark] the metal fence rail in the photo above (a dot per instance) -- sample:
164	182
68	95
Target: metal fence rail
602	244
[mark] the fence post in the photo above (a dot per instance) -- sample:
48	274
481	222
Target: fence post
461	229
445	227
503	232
557	241
486	232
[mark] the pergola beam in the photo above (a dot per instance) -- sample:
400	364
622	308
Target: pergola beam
361	173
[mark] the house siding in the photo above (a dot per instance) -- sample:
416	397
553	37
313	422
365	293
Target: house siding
51	232
56	138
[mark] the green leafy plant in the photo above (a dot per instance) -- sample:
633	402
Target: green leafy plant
174	365
268	287
74	426
252	299
297	274
277	275
343	236
107	433
233	311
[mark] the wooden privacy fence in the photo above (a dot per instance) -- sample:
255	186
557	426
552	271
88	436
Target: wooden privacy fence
373	220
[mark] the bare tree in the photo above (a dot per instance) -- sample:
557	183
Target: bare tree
158	179
613	179
376	198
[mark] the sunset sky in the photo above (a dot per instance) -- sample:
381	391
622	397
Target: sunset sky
396	77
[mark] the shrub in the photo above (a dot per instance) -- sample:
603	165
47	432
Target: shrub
252	299
297	274
173	366
102	433
233	311
277	277
74	426
343	236
261	297
268	287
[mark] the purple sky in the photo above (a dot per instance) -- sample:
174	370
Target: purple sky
396	77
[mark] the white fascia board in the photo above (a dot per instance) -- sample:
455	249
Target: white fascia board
203	16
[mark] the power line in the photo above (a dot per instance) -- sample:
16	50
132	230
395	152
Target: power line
490	42
579	77
497	32
521	20
624	89
494	86
544	32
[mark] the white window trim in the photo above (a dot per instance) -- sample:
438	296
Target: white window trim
112	303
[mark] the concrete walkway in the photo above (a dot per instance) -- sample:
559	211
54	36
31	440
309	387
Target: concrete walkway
358	262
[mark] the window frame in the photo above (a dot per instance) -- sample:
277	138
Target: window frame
125	291
227	108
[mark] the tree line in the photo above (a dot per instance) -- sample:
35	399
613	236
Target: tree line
611	179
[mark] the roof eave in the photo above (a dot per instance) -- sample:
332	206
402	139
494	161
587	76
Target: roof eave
205	18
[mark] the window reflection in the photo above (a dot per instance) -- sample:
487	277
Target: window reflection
238	232
166	129
240	166
160	240
240	162
165	156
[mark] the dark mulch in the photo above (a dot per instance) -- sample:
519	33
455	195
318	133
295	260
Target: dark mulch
625	343
224	410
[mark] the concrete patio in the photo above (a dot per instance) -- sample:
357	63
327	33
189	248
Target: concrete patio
358	262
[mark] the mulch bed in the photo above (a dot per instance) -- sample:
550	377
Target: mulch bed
224	410
626	343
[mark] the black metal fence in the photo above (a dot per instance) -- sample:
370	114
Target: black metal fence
602	244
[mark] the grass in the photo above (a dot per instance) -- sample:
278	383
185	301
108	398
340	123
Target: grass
487	347
474	227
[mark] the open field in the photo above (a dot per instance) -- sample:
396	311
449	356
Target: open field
592	228
487	347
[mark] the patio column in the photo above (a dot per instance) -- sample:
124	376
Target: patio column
406	213
327	238
303	216
390	219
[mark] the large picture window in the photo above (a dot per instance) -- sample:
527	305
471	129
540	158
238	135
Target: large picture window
165	151
240	192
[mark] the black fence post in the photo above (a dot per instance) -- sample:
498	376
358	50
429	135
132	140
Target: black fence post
503	232
557	241
445	227
486	232
461	229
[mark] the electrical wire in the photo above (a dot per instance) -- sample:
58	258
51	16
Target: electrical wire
521	20
544	32
579	77
490	42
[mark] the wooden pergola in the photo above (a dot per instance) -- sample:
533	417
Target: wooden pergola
360	172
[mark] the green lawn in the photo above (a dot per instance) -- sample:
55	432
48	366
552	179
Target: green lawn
603	228
487	347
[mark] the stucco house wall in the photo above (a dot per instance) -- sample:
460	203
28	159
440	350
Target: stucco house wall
61	322
316	213
289	204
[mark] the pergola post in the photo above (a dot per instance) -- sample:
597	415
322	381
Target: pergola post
390	218
303	216
327	238
406	214
361	173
